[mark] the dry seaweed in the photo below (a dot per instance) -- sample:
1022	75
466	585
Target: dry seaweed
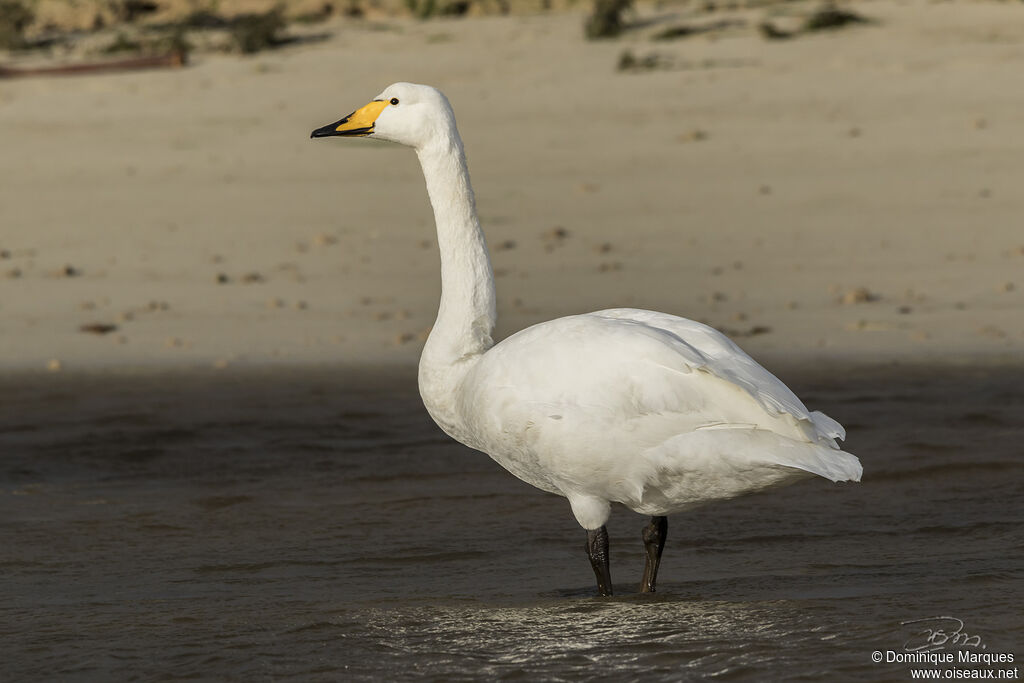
828	17
687	30
650	62
831	17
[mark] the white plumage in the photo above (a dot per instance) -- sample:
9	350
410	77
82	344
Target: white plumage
628	406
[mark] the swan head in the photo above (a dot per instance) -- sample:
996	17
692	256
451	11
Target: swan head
406	113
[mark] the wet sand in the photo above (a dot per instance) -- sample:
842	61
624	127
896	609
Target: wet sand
315	525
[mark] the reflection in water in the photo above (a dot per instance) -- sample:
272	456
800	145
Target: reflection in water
618	636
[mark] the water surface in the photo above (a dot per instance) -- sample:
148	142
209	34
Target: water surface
315	525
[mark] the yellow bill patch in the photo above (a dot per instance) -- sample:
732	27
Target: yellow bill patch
361	120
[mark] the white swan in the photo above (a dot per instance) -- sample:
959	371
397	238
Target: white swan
656	412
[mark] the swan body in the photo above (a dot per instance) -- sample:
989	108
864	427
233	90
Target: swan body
628	406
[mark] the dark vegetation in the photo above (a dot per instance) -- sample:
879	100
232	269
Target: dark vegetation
425	9
255	32
245	33
606	20
131	10
137	34
828	17
15	17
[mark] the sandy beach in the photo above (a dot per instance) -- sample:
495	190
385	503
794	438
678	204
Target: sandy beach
851	194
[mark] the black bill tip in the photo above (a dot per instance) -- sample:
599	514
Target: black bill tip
328	130
332	130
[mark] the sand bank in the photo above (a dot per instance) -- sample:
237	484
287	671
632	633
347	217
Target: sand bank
852	194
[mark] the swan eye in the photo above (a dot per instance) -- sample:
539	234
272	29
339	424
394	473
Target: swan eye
394	101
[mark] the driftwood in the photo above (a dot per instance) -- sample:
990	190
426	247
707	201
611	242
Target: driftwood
171	59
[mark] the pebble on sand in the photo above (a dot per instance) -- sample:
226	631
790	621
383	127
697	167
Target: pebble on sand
555	237
867	326
693	135
992	331
97	328
53	365
859	295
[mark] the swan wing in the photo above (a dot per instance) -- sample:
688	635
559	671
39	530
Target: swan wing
720	356
635	363
626	397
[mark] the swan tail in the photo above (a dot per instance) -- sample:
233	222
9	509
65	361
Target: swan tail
826	426
832	464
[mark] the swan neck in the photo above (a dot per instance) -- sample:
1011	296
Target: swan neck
466	315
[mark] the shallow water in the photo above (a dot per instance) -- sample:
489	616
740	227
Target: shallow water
315	525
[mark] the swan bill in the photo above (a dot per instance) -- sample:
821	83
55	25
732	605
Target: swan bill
358	124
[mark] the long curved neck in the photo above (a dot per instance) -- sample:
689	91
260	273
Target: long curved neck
467	314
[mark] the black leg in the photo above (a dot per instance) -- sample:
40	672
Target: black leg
597	551
654	542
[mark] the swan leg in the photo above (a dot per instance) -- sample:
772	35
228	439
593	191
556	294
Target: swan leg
597	551
654	535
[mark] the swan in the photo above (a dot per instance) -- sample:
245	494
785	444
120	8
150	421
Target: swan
656	412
